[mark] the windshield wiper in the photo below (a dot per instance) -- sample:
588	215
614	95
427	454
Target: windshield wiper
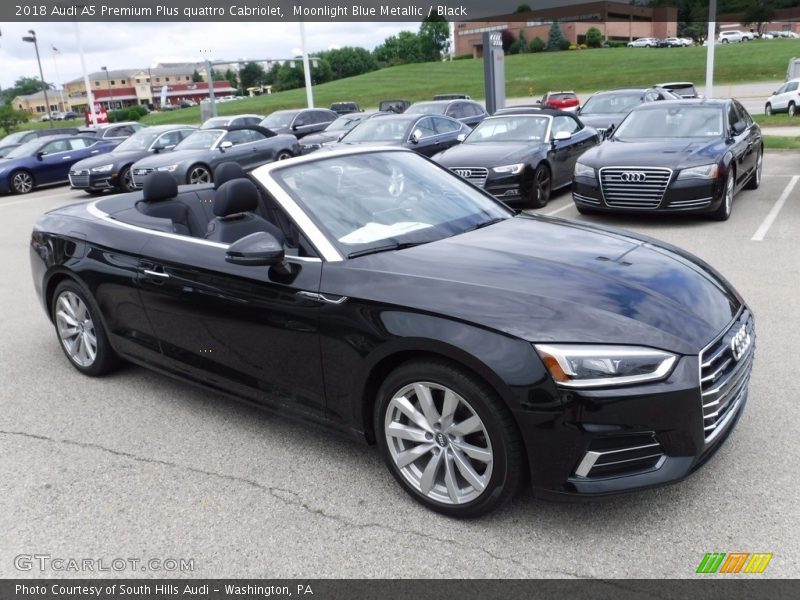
384	248
486	223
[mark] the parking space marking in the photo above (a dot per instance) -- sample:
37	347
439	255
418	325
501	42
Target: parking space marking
762	230
558	210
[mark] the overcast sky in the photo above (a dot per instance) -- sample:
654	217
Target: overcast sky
132	45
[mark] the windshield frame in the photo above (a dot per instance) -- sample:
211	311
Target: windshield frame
658	107
544	140
198	132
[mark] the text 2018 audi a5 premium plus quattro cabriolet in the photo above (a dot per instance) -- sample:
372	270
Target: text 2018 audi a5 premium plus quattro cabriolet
376	292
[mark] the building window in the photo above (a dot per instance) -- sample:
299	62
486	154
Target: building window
96	84
148	80
158	79
122	81
166	78
113	82
39	109
138	80
188	78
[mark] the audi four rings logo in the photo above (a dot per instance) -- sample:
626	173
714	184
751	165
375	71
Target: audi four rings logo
633	176
740	342
463	172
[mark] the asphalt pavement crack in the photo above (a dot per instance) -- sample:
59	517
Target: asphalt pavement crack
294	499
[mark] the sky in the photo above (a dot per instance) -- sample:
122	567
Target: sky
131	45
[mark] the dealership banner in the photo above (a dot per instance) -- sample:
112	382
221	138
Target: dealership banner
383	589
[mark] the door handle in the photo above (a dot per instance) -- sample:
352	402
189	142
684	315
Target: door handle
94	151
156	273
65	157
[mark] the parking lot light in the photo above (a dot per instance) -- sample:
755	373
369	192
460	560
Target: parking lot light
32	40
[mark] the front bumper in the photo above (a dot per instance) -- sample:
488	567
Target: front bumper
86	180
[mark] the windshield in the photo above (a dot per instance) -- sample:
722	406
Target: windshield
14	138
345	123
606	104
140	140
671	122
683	90
382	200
426	108
200	140
521	128
26	149
382	129
216	122
279	119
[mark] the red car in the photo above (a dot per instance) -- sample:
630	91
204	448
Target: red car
562	101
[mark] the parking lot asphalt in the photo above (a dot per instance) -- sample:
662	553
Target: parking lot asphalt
137	465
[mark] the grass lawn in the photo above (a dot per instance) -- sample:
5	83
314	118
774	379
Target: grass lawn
779	120
777	142
585	71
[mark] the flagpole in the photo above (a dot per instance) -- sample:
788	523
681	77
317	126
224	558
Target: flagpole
89	95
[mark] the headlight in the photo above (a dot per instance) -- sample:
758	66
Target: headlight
512	169
102	169
581	366
582	170
701	172
168	168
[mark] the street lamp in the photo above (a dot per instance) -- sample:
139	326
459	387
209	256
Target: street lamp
32	39
110	91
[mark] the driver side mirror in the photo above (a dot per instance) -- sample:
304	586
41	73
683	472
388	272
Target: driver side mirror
40	154
609	130
461	137
157	149
255	250
561	136
415	136
225	145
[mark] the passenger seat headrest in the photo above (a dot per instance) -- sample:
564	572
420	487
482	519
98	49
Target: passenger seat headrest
234	197
226	172
159	186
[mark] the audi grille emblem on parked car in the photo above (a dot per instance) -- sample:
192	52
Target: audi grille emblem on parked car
740	342
463	172
633	176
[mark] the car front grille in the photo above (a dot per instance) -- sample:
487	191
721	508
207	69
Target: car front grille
475	175
138	177
586	199
725	367
634	187
79	179
620	456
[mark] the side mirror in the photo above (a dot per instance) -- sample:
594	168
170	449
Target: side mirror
739	127
341	136
609	130
225	145
40	154
255	250
415	136
562	136
461	137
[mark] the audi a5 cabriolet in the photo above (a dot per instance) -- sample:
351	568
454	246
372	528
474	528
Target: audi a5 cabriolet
378	293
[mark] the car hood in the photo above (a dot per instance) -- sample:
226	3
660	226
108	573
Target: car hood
603	121
116	158
322	137
172	158
485	155
548	280
675	153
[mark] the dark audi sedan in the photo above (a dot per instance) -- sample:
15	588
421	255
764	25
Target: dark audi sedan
684	156
426	135
382	295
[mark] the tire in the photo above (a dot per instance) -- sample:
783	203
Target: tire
755	179
768	110
21	182
283	155
462	465
541	187
723	213
725	41
792	110
199	174
125	180
80	331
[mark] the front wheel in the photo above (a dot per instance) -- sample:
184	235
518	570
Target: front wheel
80	331
723	213
447	439
541	186
792	109
198	174
126	180
283	155
755	179
768	110
21	182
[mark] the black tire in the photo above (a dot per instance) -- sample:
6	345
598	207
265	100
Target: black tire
502	474
755	179
193	174
125	180
723	212
105	359
541	187
724	40
21	182
792	110
283	155
768	109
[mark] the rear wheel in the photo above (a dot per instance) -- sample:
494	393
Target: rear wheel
755	178
21	182
541	186
198	174
447	439
283	155
792	109
768	109
723	213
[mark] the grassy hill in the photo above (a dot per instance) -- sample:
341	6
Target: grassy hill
582	70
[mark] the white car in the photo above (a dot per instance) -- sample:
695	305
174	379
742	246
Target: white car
732	36
646	42
785	99
674	42
748	35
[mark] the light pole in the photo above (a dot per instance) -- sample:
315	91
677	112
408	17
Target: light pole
32	39
110	91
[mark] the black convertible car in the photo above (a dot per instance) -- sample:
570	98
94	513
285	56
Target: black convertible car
522	157
685	156
382	295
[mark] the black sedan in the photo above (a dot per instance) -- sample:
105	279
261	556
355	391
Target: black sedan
299	123
605	110
686	156
112	171
381	295
336	130
468	112
426	135
194	159
522	157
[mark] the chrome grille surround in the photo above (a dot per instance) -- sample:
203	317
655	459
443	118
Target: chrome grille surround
586	199
79	179
634	187
138	175
475	175
723	377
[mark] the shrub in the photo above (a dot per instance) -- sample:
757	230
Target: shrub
515	47
462	57
536	45
594	37
133	115
572	47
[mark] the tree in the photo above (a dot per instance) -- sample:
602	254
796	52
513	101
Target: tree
506	38
523	42
537	45
348	61
757	13
232	78
523	8
196	77
289	77
555	39
399	49
434	37
10	118
515	47
594	37
217	76
252	75
22	87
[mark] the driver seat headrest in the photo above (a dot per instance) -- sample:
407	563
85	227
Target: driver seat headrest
159	186
234	197
226	172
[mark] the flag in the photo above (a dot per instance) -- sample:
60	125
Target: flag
55	50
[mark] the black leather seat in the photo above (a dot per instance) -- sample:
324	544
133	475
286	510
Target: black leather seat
223	173
160	200
234	206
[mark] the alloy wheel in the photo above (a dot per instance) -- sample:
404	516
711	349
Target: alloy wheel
283	156
768	110
127	181
22	182
792	110
438	443
76	329
199	175
729	185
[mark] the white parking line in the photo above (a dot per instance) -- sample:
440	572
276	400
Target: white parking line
762	230
558	210
35	198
